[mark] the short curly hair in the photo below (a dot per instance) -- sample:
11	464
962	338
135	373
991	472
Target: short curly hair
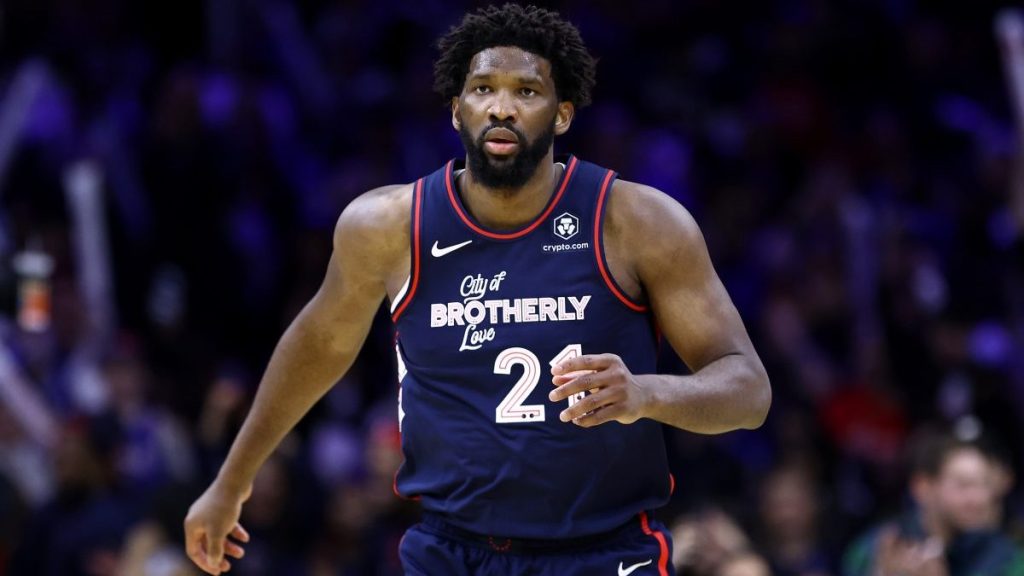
533	29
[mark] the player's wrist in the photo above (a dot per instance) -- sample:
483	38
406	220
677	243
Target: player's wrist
231	485
648	399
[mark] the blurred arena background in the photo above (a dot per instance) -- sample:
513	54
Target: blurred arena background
170	173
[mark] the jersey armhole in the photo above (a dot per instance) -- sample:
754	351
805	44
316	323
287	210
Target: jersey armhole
599	255
408	291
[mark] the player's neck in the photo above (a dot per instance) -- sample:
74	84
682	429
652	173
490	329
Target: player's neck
507	209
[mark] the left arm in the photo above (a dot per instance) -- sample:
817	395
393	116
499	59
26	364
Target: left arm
728	388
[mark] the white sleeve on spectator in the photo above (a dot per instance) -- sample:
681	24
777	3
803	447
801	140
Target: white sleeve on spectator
23	403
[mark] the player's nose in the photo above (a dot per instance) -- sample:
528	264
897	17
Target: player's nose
502	107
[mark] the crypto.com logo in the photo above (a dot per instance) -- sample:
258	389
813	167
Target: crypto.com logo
566	226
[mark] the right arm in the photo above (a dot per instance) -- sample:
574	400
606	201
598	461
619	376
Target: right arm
370	246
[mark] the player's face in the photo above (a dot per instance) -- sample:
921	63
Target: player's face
508	115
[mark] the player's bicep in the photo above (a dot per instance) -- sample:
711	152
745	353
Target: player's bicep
690	303
353	287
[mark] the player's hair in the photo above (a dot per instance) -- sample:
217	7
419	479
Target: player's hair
533	29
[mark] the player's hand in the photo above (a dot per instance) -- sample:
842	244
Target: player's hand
211	519
613	392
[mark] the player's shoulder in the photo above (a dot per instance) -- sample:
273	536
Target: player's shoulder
377	221
380	207
642	214
383	209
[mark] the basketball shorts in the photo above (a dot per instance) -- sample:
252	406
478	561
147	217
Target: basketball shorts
641	547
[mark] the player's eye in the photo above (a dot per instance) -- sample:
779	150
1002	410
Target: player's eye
482	89
527	91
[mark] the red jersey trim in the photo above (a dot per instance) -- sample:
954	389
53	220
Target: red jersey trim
599	249
394	488
662	544
417	209
569	169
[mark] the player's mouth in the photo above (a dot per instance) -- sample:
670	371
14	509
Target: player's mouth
501	142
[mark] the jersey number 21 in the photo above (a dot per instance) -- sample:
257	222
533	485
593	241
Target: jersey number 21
511	409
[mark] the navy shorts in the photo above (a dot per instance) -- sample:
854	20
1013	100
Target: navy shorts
642	547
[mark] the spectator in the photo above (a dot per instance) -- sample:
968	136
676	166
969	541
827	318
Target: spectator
81	530
744	564
790	530
706	541
948	528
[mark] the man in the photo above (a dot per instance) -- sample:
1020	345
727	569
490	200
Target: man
953	528
517	263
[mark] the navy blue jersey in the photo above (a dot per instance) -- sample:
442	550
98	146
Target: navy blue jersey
482	319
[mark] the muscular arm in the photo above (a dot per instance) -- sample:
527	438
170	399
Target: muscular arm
728	388
371	242
324	339
655	247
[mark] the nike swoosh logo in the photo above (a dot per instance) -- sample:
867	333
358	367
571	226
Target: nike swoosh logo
628	571
438	252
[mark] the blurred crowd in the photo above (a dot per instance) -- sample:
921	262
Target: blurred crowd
170	174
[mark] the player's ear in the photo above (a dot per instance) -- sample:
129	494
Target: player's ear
563	119
456	121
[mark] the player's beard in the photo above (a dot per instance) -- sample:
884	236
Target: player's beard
511	172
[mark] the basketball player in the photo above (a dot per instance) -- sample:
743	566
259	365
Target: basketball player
528	293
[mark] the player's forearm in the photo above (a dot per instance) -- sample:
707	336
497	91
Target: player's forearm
730	393
304	366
